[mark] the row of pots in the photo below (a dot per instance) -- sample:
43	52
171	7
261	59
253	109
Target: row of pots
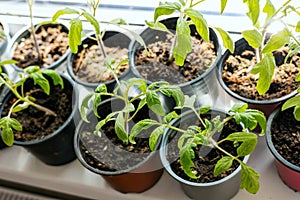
201	86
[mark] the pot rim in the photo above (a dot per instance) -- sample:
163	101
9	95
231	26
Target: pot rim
72	55
24	31
241	98
70	118
166	164
135	44
271	146
98	171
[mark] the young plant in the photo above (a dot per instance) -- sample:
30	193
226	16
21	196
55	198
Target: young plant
257	37
182	42
148	96
244	142
24	100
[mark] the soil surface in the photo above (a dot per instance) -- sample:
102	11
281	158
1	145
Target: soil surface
36	124
106	152
88	64
52	42
238	77
285	132
205	157
157	66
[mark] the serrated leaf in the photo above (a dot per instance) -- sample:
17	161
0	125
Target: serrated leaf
277	40
56	78
75	34
166	8
265	68
156	133
140	126
84	106
186	158
64	12
154	103
188	134
269	9
90	18
217	123
41	81
253	37
249	179
189	101
222	165
120	127
199	22
7	125
227	41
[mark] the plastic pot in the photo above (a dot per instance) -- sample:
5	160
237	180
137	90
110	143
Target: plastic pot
266	106
56	148
222	189
204	85
135	179
288	172
25	33
111	38
4	41
3	90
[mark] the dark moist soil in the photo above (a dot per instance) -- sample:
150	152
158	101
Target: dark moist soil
88	64
285	132
36	124
205	157
239	79
52	42
157	67
107	153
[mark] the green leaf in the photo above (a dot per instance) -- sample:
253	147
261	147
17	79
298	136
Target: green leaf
20	107
253	37
90	18
200	23
222	165
277	40
7	125
57	79
75	34
120	128
182	2
227	41
169	117
140	83
8	62
183	42
175	92
64	12
293	102
128	108
223	5
32	69
189	101
40	80
265	69
140	126
217	123
85	105
204	109
186	158
188	134
104	121
158	26
97	100
158	84
154	103
156	133
118	21
249	141
239	107
101	88
269	9
254	10
297	29
249	179
166	8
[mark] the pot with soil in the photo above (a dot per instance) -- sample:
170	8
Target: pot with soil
44	123
283	138
87	66
196	76
4	36
235	77
126	167
52	40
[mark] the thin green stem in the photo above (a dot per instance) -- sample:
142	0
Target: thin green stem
193	5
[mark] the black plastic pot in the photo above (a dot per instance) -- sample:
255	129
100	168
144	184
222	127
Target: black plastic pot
222	189
204	87
56	148
266	106
111	38
25	33
4	41
136	178
288	172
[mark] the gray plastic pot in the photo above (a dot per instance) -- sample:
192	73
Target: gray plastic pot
204	87
137	178
111	38
25	33
266	106
222	189
56	148
4	41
